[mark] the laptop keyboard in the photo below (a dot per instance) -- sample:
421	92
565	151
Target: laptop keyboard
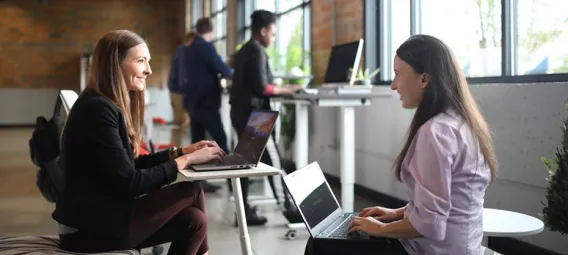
343	229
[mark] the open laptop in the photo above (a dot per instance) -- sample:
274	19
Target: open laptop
251	145
319	208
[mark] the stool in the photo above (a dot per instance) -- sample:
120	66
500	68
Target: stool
39	245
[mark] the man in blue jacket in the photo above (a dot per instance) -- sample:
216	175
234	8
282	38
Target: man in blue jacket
202	94
176	80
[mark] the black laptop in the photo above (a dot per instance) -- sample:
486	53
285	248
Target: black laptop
251	145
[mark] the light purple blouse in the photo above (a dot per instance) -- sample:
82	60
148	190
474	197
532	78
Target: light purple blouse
445	177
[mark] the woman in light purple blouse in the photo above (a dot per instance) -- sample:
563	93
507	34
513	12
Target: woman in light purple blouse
446	163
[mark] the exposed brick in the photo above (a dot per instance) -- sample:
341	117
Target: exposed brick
41	44
348	28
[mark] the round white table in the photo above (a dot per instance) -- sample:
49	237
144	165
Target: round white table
502	223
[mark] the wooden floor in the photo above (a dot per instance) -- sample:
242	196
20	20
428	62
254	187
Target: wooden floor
22	208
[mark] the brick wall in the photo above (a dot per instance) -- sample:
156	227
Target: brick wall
348	28
41	43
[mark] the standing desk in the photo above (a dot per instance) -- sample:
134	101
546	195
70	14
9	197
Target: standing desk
346	102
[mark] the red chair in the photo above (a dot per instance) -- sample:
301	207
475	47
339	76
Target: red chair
153	148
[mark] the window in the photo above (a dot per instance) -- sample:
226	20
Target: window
284	5
290	41
398	32
269	5
196	11
472	29
219	19
292	36
542	33
493	40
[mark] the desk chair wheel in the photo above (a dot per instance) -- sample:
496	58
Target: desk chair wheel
157	250
291	235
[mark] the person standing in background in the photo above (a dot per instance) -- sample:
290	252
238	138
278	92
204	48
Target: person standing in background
202	92
253	85
177	79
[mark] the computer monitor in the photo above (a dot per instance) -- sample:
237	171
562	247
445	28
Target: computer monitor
344	57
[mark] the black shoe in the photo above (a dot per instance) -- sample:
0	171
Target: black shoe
252	217
208	187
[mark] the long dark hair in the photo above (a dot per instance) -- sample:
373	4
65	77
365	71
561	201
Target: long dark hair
448	89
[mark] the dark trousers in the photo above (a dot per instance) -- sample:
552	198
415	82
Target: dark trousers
344	247
175	214
208	120
239	118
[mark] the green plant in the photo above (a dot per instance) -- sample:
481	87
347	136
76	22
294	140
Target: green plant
365	75
555	211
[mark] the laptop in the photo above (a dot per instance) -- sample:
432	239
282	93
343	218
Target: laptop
251	145
319	208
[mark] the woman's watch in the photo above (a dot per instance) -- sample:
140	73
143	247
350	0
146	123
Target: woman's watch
179	151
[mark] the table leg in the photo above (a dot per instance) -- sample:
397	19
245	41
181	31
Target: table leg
241	218
302	129
347	122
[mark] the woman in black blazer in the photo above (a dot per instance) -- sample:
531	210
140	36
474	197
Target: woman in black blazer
114	198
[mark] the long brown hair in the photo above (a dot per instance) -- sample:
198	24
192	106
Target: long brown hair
106	78
448	89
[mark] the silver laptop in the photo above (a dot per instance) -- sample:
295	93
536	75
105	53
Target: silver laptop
319	208
251	145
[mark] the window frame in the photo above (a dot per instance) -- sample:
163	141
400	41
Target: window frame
377	44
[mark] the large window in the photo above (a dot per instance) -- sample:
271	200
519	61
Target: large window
542	34
219	19
492	39
471	28
291	48
196	11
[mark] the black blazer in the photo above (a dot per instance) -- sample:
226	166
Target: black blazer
102	177
252	74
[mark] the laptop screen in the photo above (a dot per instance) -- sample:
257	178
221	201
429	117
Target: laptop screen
342	58
255	136
312	194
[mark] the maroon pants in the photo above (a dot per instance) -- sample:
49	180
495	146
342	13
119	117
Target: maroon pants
175	214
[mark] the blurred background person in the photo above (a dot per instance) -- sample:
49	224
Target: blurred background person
177	79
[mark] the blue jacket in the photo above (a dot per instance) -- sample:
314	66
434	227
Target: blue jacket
178	73
204	68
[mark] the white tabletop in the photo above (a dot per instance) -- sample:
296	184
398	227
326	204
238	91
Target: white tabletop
506	223
260	170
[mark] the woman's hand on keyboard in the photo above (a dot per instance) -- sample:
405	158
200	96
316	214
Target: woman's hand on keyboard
368	225
205	154
381	213
196	146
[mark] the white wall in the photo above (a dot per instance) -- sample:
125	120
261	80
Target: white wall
525	121
22	106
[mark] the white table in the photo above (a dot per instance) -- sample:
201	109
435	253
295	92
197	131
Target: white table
235	175
502	223
346	103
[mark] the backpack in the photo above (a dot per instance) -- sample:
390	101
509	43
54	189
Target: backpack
45	154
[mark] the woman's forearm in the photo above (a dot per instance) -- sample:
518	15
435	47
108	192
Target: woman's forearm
399	229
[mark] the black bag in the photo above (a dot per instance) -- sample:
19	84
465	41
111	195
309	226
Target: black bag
44	153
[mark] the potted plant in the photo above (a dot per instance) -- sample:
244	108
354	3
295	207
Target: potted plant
363	77
555	211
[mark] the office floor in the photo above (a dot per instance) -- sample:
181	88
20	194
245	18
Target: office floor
23	211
